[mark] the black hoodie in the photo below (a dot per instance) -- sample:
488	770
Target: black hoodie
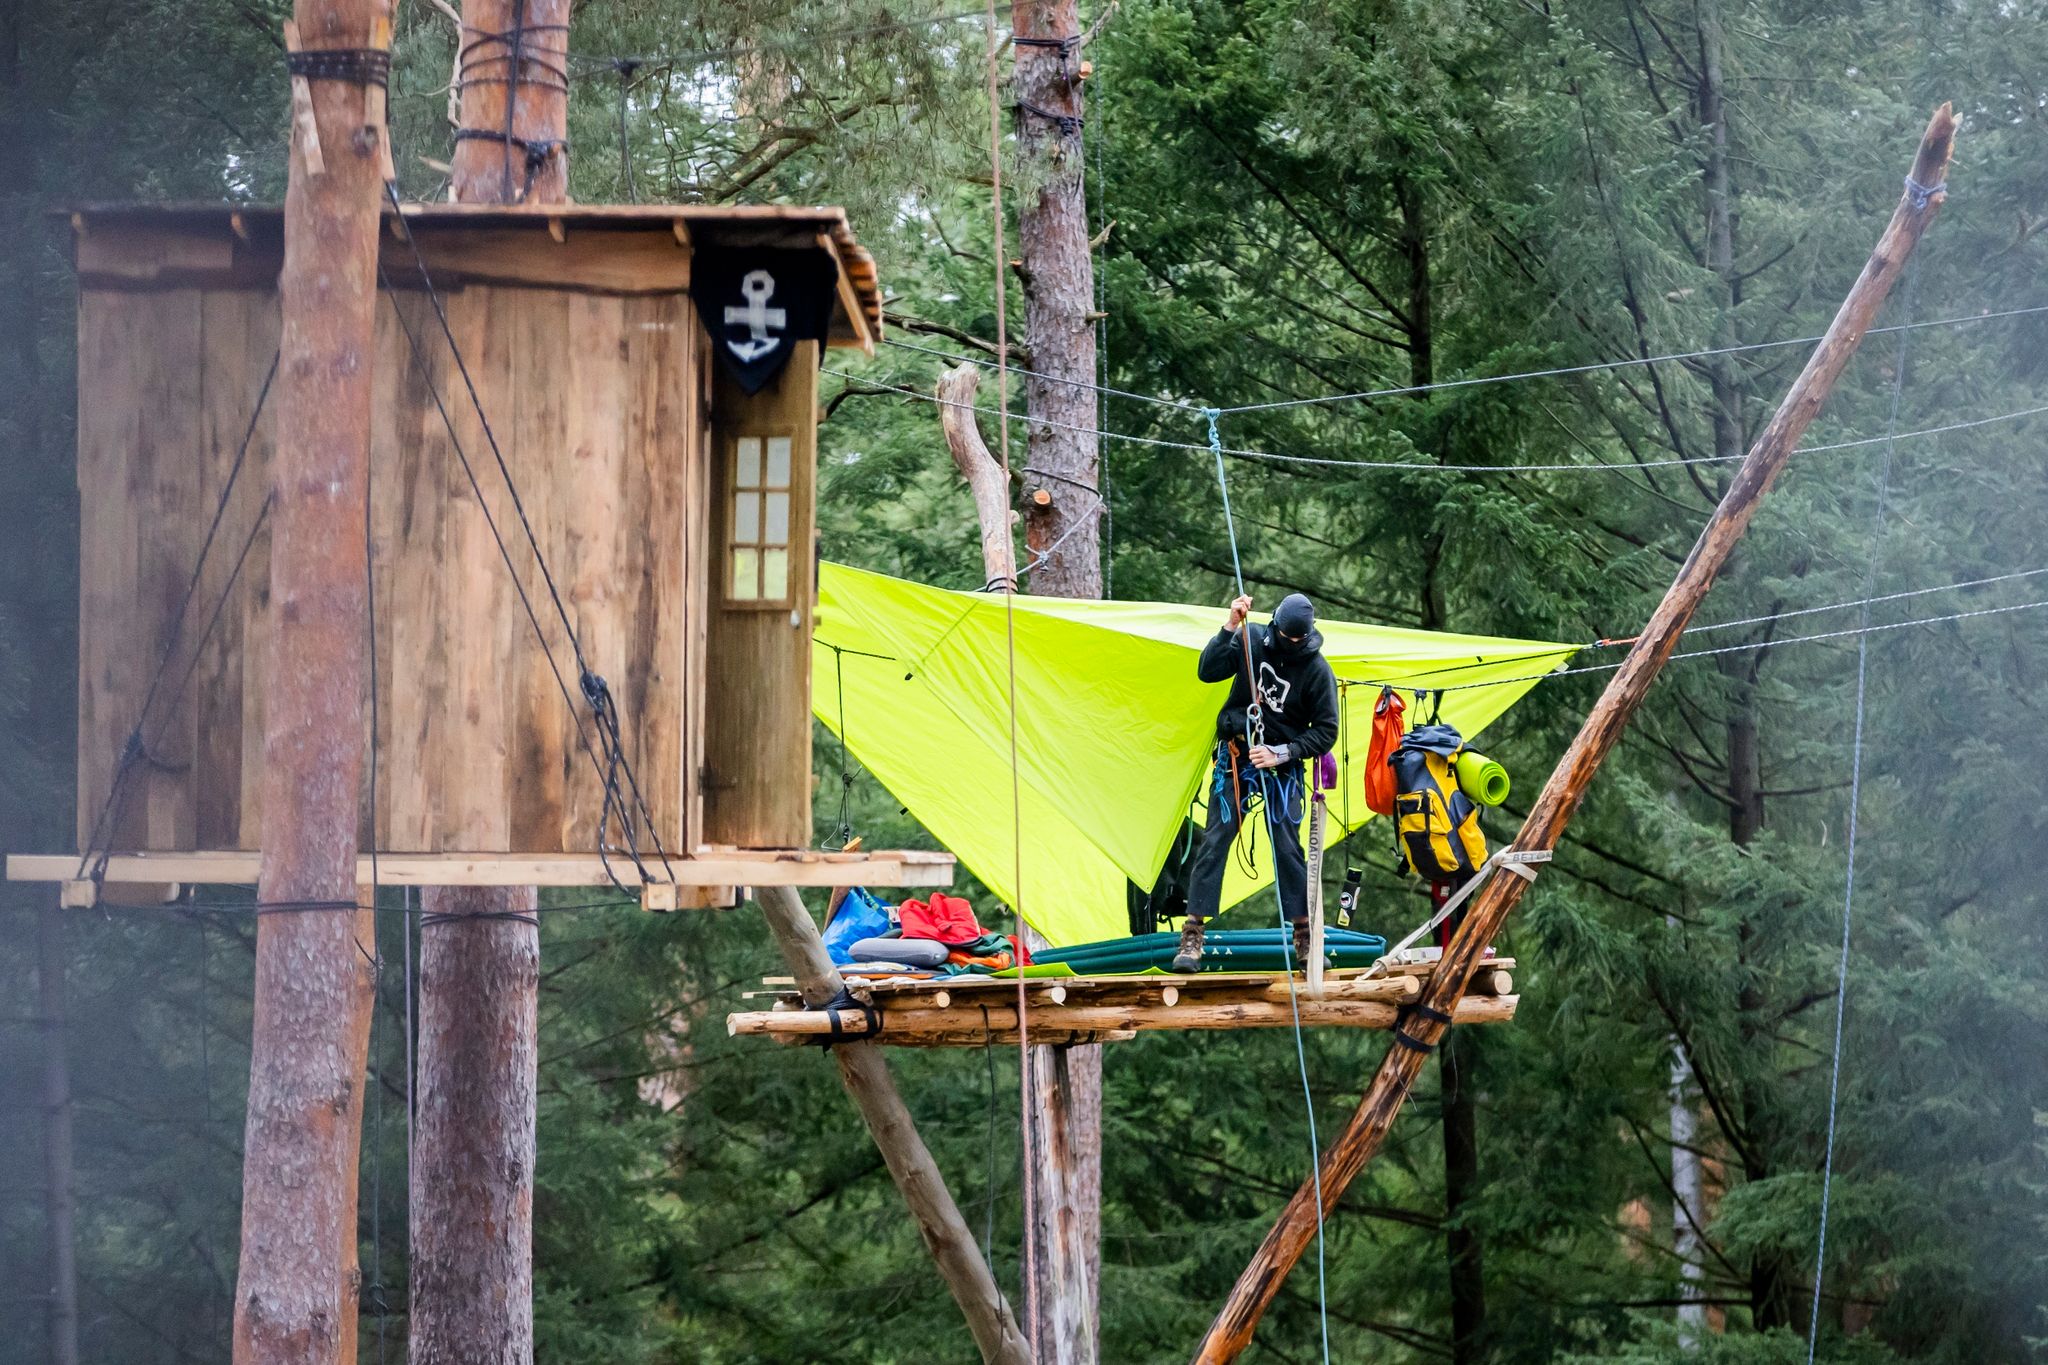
1300	690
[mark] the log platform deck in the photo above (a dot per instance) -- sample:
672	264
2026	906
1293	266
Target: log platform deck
972	1011
710	878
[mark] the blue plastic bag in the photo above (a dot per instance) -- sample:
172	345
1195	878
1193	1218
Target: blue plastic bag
860	916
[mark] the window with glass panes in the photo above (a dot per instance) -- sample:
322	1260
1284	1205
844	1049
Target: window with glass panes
757	551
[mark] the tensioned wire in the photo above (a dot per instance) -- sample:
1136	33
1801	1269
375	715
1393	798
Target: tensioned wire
1395	391
1827	1170
1421	466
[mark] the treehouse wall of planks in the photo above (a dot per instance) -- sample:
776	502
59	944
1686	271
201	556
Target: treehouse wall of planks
675	511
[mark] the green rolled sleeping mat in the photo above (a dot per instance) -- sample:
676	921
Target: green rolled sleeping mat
1225	950
1482	779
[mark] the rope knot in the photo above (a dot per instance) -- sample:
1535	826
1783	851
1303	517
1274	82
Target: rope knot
1923	195
596	691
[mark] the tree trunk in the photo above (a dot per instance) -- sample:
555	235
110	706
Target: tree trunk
1772	1302
513	145
1462	1243
474	1149
1062	530
1464	1249
473	1138
305	1077
1688	1240
1059	292
61	1316
1231	1332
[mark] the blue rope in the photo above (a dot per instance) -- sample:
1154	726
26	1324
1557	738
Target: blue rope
1308	1099
1827	1176
1315	1146
1229	524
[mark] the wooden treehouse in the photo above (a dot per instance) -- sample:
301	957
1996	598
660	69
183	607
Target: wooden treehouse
670	494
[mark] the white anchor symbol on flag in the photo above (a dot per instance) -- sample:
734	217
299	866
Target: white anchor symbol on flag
757	317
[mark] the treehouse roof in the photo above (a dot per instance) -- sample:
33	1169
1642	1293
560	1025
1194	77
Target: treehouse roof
1113	729
599	248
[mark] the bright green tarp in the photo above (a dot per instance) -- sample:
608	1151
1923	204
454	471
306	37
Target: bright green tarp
1113	729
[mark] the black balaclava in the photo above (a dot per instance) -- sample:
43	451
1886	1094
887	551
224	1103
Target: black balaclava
1295	615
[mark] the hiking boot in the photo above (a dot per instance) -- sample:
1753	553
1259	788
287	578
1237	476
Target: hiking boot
1301	941
1188	959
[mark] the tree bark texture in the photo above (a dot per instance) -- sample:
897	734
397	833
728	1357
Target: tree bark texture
479	1048
61	1269
985	480
514	76
1231	1332
1062	531
865	1072
473	1137
1462	1243
305	1076
1059	294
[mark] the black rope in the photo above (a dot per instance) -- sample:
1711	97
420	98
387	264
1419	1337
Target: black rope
1063	45
108	817
588	678
626	67
261	908
846	775
437	917
536	151
376	1286
1069	125
355	65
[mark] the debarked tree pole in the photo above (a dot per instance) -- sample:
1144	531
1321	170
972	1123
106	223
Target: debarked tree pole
294	1291
865	1072
1231	1332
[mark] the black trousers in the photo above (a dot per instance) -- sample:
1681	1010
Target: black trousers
1253	795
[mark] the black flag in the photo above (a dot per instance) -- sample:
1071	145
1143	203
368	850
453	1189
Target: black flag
758	302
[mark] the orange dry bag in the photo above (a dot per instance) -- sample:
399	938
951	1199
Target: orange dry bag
1387	728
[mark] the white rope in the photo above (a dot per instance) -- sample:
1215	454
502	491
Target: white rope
1521	862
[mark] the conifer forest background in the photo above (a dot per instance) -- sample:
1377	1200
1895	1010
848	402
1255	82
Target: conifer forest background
1298	197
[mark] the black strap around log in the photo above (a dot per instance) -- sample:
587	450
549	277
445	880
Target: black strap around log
845	1001
1409	1011
356	65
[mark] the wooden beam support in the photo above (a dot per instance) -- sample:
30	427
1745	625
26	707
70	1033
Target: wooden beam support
1231	1332
722	869
865	1073
971	1025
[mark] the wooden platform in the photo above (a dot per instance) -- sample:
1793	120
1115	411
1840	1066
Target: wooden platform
709	879
970	1011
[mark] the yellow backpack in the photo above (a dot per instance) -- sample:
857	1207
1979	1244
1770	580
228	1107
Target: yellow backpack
1436	826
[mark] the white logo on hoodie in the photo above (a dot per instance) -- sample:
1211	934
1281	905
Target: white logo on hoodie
1274	687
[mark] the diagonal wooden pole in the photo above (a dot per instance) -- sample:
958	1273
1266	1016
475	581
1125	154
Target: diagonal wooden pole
1231	1332
866	1075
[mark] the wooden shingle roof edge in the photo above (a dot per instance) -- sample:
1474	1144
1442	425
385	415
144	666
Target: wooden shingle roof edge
860	322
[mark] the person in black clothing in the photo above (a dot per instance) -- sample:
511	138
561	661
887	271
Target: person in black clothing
1261	756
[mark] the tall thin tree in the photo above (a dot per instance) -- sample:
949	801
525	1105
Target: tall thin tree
1062	520
475	1144
294	1299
